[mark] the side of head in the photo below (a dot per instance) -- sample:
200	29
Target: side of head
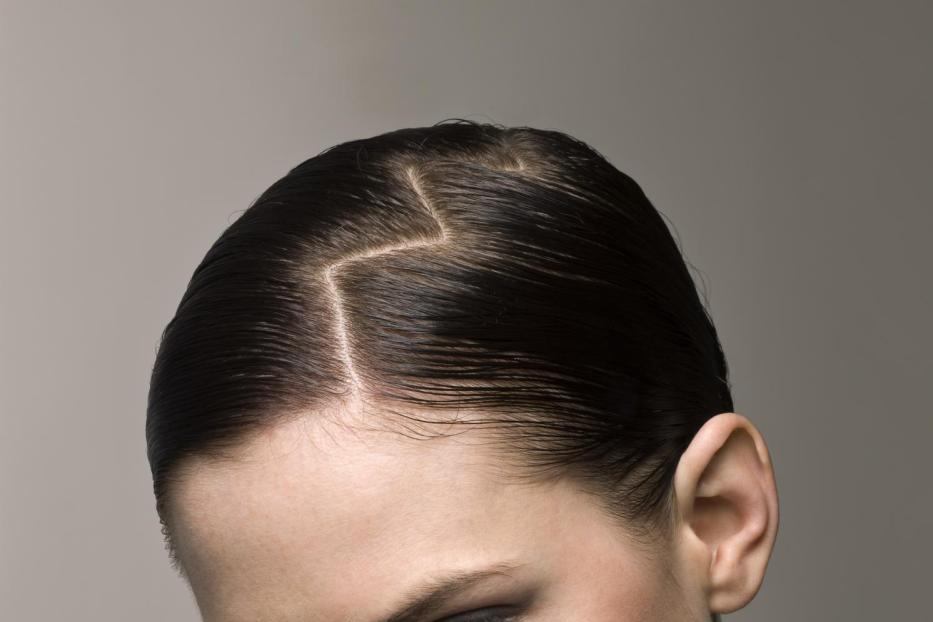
444	348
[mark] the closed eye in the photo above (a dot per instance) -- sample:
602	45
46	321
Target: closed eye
489	614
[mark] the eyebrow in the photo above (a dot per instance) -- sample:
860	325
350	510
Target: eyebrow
428	599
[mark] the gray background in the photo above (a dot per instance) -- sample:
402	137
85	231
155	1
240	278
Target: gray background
788	142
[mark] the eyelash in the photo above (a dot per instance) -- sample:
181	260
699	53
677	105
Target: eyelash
485	615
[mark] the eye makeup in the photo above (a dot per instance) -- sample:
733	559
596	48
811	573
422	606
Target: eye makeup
452	592
488	614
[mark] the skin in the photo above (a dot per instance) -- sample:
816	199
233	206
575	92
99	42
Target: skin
317	522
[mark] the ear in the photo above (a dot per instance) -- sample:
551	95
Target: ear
728	506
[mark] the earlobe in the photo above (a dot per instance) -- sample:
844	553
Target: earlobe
728	505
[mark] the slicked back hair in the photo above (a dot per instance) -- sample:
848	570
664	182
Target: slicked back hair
508	272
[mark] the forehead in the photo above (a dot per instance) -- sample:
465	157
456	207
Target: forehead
328	522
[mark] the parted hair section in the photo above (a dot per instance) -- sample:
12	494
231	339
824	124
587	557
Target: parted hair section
508	272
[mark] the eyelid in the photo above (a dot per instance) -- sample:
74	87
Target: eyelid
512	606
506	613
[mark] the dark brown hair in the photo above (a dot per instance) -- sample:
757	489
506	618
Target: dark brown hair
510	272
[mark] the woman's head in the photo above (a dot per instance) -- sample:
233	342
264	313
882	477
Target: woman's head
444	349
